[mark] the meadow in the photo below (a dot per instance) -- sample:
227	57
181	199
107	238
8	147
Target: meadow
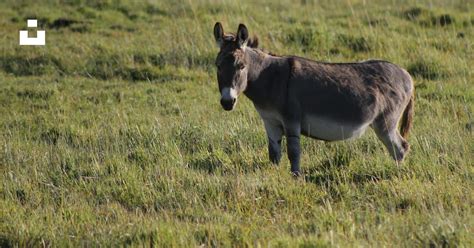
112	134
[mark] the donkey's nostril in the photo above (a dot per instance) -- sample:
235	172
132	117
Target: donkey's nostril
228	104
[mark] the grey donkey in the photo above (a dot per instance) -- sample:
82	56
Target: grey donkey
324	101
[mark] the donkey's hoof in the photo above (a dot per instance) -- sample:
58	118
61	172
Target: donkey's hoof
296	174
400	155
275	162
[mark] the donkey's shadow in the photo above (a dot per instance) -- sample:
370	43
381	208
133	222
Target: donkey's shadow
323	175
329	171
215	162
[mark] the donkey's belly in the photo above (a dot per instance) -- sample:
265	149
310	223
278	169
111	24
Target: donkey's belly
329	130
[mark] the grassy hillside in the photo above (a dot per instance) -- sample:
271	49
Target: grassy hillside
112	133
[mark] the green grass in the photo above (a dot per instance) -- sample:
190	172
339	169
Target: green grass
112	134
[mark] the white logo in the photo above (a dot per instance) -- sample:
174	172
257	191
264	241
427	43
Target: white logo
39	40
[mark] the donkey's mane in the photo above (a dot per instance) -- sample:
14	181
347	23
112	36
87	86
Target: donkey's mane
261	50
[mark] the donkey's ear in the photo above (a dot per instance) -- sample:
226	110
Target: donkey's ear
242	35
219	34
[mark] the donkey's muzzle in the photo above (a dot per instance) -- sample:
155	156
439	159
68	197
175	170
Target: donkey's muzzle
228	104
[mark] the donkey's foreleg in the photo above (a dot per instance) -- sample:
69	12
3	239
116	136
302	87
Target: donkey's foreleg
293	148
274	133
274	150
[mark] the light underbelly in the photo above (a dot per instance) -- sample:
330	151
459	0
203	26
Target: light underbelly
326	129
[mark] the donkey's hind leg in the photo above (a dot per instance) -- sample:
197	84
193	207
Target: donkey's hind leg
386	129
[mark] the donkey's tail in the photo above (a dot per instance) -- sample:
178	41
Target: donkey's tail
407	117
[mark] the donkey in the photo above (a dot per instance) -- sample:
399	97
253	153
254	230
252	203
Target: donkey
324	101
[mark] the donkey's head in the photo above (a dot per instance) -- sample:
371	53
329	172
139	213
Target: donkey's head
232	64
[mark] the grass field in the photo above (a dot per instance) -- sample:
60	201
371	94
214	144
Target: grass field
112	133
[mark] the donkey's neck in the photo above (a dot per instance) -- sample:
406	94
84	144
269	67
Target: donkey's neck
263	73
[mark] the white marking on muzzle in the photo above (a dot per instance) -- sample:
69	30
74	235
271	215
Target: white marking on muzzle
228	94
